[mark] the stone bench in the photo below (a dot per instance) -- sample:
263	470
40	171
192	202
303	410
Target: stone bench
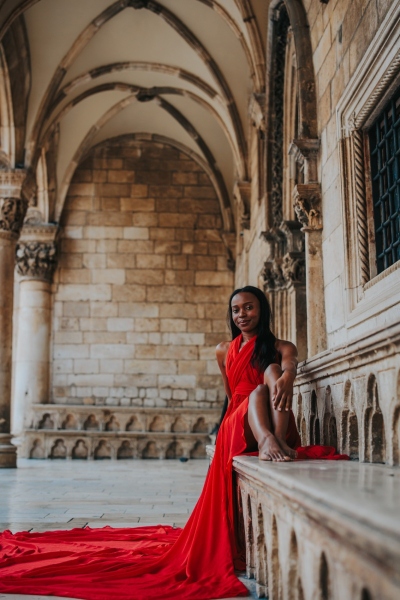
319	530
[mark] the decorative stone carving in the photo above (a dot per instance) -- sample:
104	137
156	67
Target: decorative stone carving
305	151
12	213
36	253
242	193
36	259
307	205
13	204
257	110
294	269
361	204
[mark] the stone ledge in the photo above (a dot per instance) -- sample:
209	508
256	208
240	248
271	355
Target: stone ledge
343	514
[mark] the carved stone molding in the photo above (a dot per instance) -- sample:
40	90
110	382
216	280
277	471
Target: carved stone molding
229	239
12	213
257	106
36	253
242	193
12	205
280	274
307	205
361	204
294	268
305	151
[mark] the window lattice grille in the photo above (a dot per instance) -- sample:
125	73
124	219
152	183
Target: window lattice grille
384	139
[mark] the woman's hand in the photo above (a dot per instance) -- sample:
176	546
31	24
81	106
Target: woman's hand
283	391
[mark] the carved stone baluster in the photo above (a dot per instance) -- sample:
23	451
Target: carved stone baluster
36	256
12	212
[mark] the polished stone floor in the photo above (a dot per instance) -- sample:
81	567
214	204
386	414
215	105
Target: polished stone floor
45	495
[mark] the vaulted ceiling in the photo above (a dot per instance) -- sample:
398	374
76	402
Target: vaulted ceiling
182	70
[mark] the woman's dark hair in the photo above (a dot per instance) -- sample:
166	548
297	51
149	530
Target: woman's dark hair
264	348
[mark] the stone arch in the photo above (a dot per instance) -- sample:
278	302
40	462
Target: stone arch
46	422
249	533
102	451
198	450
324	579
37	450
303	431
91	424
293	568
261	560
157	424
80	450
315	434
353	436
200	426
59	450
151	451
125	450
308	126
179	426
299	411
374	426
113	424
174	450
69	423
134	424
396	436
16	70
330	437
275	574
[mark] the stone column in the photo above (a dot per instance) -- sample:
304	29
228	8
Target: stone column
36	261
307	203
12	212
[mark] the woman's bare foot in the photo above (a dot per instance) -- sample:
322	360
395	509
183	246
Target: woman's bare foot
269	449
285	448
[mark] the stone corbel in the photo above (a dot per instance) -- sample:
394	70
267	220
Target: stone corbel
305	151
242	193
273	276
229	239
13	204
36	253
257	106
307	205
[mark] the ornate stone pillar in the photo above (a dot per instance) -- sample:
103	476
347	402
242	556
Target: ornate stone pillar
12	212
307	204
36	257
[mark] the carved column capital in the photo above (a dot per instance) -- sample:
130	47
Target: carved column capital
257	107
307	205
294	268
36	253
12	203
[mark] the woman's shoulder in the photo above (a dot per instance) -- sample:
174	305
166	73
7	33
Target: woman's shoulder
281	345
222	348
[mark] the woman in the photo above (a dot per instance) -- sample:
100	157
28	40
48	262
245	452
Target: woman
267	377
199	561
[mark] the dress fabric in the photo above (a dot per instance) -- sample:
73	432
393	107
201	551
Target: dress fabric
147	563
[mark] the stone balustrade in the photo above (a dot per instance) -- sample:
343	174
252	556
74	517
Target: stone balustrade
88	431
318	530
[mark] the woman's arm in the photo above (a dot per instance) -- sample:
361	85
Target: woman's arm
221	351
283	396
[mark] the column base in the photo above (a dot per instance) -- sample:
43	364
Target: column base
8	452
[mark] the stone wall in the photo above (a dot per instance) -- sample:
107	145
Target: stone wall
140	298
142	286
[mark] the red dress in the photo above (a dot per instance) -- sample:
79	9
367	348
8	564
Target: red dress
147	563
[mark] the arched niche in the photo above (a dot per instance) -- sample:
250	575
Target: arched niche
324	579
374	426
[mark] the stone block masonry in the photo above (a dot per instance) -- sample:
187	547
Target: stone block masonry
142	284
141	260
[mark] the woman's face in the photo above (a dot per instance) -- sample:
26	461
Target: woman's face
245	309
